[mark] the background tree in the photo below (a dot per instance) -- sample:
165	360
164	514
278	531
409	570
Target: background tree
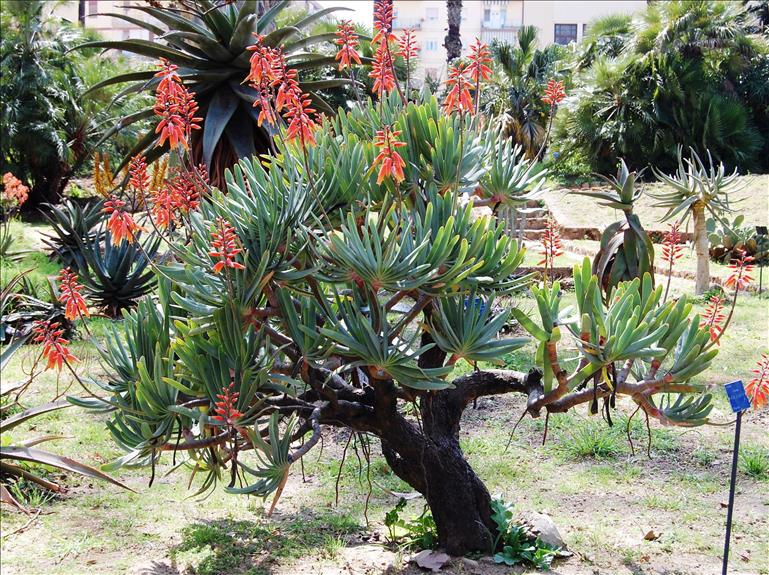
671	78
49	123
515	96
453	40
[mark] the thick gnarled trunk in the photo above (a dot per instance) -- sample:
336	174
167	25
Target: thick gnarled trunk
434	465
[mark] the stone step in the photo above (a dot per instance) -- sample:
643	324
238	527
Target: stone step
533	234
536	224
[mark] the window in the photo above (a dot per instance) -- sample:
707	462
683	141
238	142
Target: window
486	15
584	30
93	7
503	17
431	45
565	33
431	14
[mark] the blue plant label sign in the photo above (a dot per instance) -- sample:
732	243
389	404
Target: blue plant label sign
738	399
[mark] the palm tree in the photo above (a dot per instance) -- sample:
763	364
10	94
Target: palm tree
524	73
453	40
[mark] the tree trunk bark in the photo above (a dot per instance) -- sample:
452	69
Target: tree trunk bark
453	40
701	247
432	462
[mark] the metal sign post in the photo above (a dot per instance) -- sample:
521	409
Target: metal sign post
739	401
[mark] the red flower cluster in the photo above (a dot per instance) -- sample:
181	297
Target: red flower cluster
551	245
121	224
713	317
390	162
740	277
459	86
347	40
179	195
69	295
758	387
175	106
480	56
407	46
672	248
554	93
383	21
225	247
268	72
140	180
382	70
55	348
14	192
226	410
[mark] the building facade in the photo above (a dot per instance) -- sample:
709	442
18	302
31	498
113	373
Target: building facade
560	21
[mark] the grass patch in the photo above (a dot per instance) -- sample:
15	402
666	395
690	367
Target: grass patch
248	547
754	462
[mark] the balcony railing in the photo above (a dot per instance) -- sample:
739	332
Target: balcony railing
502	34
404	23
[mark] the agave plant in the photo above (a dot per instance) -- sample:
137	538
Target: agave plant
209	43
16	459
116	276
72	225
626	250
694	189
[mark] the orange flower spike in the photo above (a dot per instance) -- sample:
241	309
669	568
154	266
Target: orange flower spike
713	317
740	278
225	247
176	108
757	388
554	93
140	181
301	125
672	248
407	45
390	162
121	224
382	70
480	56
383	21
225	409
551	245
262	71
69	294
165	202
347	40
55	349
458	97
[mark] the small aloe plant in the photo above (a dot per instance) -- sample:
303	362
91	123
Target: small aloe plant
626	250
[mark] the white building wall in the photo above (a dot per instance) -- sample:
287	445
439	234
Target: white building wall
498	19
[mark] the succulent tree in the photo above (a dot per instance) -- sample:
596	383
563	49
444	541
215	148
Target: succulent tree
626	250
279	317
693	190
209	42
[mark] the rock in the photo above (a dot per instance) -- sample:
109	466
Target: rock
432	560
545	529
470	566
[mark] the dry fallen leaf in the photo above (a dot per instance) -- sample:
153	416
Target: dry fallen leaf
651	535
